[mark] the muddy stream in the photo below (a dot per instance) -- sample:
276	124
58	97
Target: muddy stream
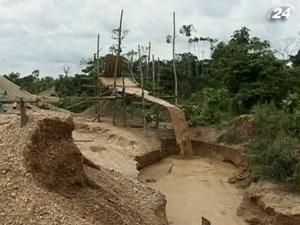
194	189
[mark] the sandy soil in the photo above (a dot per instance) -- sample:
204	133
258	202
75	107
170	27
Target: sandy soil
112	147
43	180
196	188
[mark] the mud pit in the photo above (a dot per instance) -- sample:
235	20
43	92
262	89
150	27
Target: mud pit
196	188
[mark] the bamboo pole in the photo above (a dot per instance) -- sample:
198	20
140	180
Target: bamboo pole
124	101
153	75
142	86
158	94
174	63
117	63
24	117
148	62
158	72
119	49
96	87
97	80
76	104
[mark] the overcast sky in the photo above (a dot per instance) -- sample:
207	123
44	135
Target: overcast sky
46	34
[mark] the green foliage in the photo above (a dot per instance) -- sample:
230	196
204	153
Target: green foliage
296	59
209	106
272	152
274	158
240	66
32	83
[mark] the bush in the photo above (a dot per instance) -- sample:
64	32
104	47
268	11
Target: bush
209	106
274	159
273	151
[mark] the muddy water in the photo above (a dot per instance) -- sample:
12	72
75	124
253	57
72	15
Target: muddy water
195	188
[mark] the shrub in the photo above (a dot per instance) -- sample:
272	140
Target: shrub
274	159
209	106
273	151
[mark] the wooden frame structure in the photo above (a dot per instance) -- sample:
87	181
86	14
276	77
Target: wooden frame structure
22	103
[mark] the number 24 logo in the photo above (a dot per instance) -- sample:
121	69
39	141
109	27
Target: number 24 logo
281	12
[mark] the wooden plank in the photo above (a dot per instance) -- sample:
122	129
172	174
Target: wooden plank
9	101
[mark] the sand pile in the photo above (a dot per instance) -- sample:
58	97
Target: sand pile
13	90
43	181
51	156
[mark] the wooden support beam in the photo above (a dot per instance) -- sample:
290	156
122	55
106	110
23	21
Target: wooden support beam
140	103
157	108
92	86
119	49
114	112
95	98
153	75
9	101
167	97
157	89
142	86
76	104
98	90
24	117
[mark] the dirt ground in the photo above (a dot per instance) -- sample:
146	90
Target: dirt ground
194	189
64	170
114	147
43	180
200	179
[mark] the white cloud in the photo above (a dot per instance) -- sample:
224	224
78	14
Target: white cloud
46	34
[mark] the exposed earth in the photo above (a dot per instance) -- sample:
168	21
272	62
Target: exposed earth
60	169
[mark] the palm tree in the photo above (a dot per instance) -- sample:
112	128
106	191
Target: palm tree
187	30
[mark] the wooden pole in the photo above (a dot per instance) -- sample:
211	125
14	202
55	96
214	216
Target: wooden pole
119	49
174	63
158	94
114	112
97	80
148	62
24	117
124	100
117	64
153	75
158	73
96	88
142	86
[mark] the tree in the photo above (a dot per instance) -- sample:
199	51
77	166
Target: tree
287	46
187	30
295	59
36	73
240	66
66	69
13	76
241	36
